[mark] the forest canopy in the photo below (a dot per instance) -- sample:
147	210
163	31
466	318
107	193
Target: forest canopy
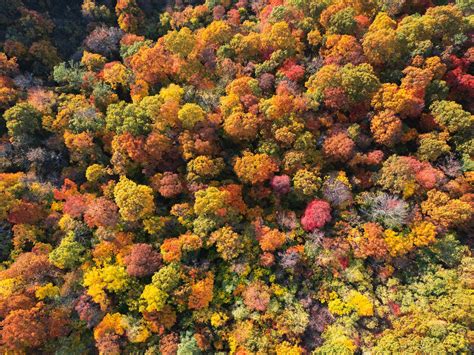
241	177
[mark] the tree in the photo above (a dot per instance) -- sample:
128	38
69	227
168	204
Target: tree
370	242
450	115
339	147
271	239
228	243
127	118
152	299
23	122
281	184
129	14
68	254
445	211
116	74
190	115
403	101
204	167
255	168
101	212
279	37
108	332
77	115
8	93
151	64
306	182
201	293
134	201
341	50
8	66
25	212
432	146
381	43
386	128
23	329
168	184
240	126
210	201
110	278
180	42
142	260
103	40
357	82
406	174
27	329
257	296
316	215
171	249
339	19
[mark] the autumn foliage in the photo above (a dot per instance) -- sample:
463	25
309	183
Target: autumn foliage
283	177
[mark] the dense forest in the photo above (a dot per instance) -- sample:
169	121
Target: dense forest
283	177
